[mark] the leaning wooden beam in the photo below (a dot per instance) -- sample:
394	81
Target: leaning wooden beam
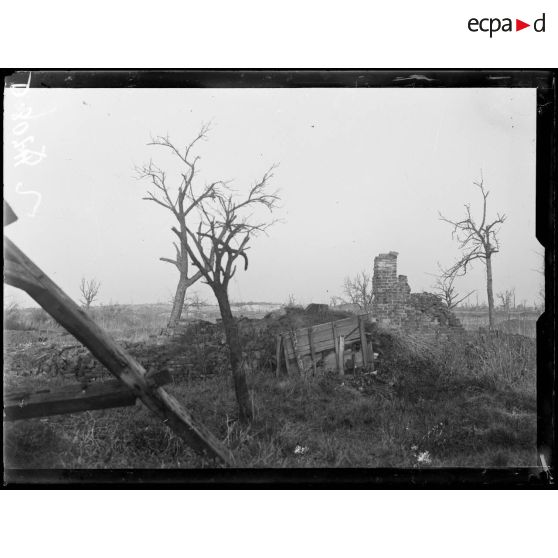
21	272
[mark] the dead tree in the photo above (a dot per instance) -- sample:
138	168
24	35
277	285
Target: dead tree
227	225
477	241
445	288
89	291
359	290
181	204
195	302
507	299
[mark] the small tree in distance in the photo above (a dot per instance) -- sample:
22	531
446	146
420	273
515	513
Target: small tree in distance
477	240
507	300
359	290
445	288
194	302
89	291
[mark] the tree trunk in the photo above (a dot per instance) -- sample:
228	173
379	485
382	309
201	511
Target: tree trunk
178	303
489	292
235	354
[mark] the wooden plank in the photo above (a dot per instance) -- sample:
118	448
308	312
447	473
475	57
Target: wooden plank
345	322
304	345
323	343
21	272
341	358
278	356
363	346
323	337
70	399
304	348
345	328
22	404
312	348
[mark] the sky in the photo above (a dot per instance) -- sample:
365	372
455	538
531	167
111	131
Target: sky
360	172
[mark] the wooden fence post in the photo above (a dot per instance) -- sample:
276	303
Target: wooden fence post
341	359
286	354
335	343
278	356
312	348
295	352
370	350
363	344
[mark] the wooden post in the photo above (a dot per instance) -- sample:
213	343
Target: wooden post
278	356
371	355
312	348
21	272
286	353
363	345
335	343
295	352
341	358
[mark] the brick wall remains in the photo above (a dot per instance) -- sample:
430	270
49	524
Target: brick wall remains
395	306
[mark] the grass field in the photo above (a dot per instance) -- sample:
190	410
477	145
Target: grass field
520	322
467	401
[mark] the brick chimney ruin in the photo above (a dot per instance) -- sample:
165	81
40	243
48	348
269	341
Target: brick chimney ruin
395	306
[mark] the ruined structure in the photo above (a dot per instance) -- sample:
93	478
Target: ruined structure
395	306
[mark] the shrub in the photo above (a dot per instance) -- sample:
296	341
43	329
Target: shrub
14	318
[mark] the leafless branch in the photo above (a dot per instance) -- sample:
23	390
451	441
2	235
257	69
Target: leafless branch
445	288
89	290
477	240
226	228
359	290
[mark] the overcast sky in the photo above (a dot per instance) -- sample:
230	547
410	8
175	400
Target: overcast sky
361	171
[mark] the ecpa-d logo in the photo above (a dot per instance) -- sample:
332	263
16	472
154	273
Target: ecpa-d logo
494	24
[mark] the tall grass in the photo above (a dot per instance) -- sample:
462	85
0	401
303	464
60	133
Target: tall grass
26	319
467	400
130	322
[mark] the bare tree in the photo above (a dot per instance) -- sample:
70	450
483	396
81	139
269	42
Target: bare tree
507	299
445	288
195	302
180	203
477	240
89	291
336	301
223	236
359	290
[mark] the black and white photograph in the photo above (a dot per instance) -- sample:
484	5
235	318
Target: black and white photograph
272	277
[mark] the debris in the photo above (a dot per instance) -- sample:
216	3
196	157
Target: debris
300	450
